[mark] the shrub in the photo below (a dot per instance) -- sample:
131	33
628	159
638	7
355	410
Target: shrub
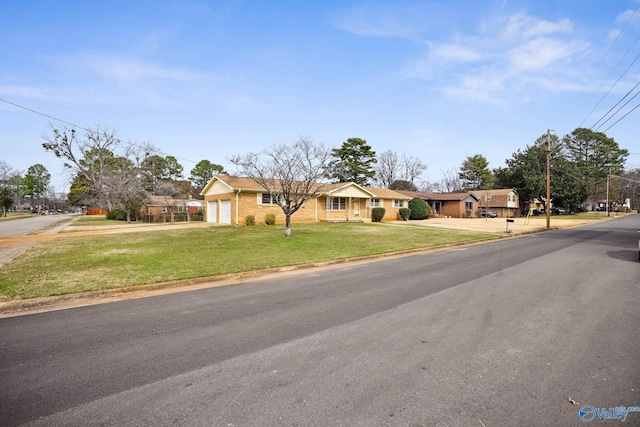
377	214
405	213
117	214
270	219
419	209
250	220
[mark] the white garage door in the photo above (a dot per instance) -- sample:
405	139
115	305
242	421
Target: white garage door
212	212
225	212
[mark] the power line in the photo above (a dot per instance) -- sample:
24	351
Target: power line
603	58
616	82
44	115
77	126
614	114
629	112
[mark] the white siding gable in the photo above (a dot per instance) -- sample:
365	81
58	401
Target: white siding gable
218	187
350	191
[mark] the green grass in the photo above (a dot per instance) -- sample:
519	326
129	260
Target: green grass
593	216
15	215
98	220
84	263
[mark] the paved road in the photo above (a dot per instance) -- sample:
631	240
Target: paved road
34	224
496	334
37	224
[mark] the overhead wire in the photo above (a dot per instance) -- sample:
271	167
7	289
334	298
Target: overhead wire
614	114
602	60
617	121
616	82
78	126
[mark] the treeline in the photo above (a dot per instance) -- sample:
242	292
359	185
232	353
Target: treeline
110	173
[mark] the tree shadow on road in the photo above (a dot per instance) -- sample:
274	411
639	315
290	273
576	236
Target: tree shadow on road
624	255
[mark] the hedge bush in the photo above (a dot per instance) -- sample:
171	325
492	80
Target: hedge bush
419	209
270	219
377	214
405	213
250	220
117	214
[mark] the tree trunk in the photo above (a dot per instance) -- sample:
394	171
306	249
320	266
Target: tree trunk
287	229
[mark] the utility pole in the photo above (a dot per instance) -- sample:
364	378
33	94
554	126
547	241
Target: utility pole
548	207
608	183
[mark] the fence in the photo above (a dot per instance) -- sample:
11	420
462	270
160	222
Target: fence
172	217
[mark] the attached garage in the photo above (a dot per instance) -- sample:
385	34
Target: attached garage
225	212
212	211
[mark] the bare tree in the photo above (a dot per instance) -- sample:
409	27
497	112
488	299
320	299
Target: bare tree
168	190
10	180
387	169
413	168
451	182
96	159
391	168
289	173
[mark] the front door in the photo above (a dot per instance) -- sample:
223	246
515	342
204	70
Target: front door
356	207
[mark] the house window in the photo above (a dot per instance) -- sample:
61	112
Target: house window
336	203
468	206
375	203
487	198
268	199
163	209
398	203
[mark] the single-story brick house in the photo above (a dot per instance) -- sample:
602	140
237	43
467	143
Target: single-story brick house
455	205
230	199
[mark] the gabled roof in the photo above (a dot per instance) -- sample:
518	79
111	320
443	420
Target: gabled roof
234	183
385	193
497	191
455	197
168	201
335	188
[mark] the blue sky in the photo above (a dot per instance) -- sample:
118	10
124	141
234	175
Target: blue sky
438	80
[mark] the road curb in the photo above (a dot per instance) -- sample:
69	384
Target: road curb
41	304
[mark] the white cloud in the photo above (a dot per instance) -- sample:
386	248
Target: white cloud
383	20
525	27
123	68
629	17
455	53
33	92
508	61
543	55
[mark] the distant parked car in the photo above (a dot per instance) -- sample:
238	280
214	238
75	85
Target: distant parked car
559	211
488	214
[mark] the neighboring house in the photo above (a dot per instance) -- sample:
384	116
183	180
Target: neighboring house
454	205
503	202
537	205
162	207
230	199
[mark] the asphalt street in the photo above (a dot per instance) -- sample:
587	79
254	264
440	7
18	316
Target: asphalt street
26	226
35	224
495	334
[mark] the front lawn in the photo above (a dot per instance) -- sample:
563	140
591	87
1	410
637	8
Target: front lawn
74	264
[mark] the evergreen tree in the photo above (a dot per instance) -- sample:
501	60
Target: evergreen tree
353	162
